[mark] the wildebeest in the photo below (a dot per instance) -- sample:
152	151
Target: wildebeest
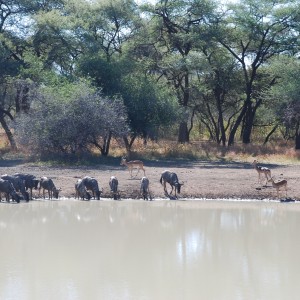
172	179
113	184
80	190
91	184
31	182
48	184
8	189
18	184
144	190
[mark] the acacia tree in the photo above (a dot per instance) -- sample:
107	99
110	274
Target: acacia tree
285	95
177	30
253	32
217	93
149	105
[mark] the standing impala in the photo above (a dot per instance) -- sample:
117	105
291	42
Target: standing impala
278	185
262	170
133	164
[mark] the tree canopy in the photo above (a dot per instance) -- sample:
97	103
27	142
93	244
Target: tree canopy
192	65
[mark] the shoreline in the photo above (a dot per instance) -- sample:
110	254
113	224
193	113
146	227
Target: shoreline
202	180
196	199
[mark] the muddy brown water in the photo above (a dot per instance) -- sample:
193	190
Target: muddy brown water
162	249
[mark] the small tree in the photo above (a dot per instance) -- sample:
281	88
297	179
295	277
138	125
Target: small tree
71	123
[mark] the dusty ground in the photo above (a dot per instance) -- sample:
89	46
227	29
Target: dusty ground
201	179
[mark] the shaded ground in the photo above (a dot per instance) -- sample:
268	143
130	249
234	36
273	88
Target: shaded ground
201	179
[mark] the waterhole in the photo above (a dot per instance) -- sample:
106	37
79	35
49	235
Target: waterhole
138	249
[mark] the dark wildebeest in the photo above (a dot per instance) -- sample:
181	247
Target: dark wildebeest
48	184
172	179
91	184
113	184
80	190
31	182
8	189
18	183
144	190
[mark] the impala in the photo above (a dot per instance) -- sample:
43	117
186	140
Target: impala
278	185
262	170
133	164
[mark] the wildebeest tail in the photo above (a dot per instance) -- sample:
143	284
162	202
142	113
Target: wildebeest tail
161	179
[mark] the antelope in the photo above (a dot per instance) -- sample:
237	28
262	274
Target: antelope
48	184
113	184
8	189
278	185
18	183
144	189
172	179
31	182
91	184
133	164
262	170
80	190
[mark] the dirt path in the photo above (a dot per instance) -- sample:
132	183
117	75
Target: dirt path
201	179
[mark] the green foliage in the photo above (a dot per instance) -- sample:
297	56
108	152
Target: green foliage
286	70
174	64
70	121
285	95
149	105
106	75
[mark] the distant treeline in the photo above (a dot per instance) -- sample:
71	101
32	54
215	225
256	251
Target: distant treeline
74	73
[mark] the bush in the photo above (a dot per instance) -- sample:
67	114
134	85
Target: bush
70	123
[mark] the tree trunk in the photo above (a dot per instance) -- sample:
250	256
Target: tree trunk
297	142
270	133
297	138
128	144
236	126
8	134
183	133
220	120
248	123
251	108
106	144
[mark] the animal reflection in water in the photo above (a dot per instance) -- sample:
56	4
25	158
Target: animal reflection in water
172	179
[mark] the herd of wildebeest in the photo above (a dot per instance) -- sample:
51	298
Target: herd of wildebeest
15	187
19	186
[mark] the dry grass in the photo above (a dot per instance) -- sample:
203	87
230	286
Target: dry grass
277	152
281	153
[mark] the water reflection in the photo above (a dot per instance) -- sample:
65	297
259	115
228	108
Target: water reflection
149	250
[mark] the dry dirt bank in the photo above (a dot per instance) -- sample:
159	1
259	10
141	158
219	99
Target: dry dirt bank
201	179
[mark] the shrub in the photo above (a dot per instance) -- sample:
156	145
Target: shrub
70	123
